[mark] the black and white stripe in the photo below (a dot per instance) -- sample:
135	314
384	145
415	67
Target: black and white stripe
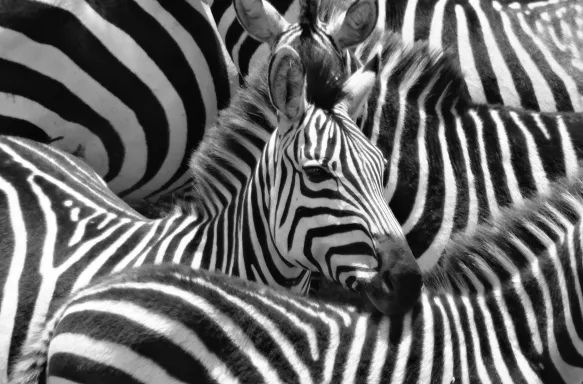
525	55
505	306
127	86
269	206
453	164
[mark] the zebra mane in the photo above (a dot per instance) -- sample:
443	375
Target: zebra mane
415	67
308	13
495	252
228	150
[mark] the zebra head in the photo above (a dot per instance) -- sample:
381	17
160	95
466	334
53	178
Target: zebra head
345	26
327	211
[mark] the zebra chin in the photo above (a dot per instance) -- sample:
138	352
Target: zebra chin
397	286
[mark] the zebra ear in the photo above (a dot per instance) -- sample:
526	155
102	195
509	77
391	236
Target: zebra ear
359	86
287	82
260	19
359	22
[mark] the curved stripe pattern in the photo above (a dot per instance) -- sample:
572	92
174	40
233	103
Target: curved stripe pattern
505	306
270	207
519	54
128	87
454	164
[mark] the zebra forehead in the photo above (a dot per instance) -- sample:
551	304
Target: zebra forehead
334	143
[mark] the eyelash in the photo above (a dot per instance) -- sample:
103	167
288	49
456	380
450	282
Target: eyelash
317	174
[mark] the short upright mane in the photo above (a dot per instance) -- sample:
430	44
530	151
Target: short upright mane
229	150
416	66
494	248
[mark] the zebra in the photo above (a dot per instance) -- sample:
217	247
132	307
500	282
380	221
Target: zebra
504	306
453	163
519	54
271	205
127	86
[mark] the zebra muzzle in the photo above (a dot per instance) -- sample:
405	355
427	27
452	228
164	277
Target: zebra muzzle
397	286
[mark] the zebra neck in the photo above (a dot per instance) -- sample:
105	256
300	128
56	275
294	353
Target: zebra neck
523	269
452	164
522	239
223	165
455	169
225	170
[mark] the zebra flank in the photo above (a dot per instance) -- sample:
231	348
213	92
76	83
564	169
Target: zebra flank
274	198
128	86
504	306
519	54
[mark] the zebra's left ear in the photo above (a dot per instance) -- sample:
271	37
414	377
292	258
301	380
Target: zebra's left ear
359	22
260	19
286	76
359	86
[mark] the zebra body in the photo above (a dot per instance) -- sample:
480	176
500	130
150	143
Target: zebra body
269	205
127	86
504	306
454	164
525	55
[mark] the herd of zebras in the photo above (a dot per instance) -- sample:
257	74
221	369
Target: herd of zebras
423	153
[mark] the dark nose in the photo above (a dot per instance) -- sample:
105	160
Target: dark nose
398	285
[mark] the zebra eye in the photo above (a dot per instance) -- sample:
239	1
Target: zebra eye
317	174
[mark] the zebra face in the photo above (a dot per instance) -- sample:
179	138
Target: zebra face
327	211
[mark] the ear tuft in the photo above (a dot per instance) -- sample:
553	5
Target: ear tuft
359	22
286	76
260	19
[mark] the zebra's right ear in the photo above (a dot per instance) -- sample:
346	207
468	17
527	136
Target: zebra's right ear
260	19
287	83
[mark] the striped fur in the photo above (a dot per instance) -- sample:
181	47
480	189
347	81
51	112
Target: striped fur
523	54
504	306
519	54
260	210
454	164
128	86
